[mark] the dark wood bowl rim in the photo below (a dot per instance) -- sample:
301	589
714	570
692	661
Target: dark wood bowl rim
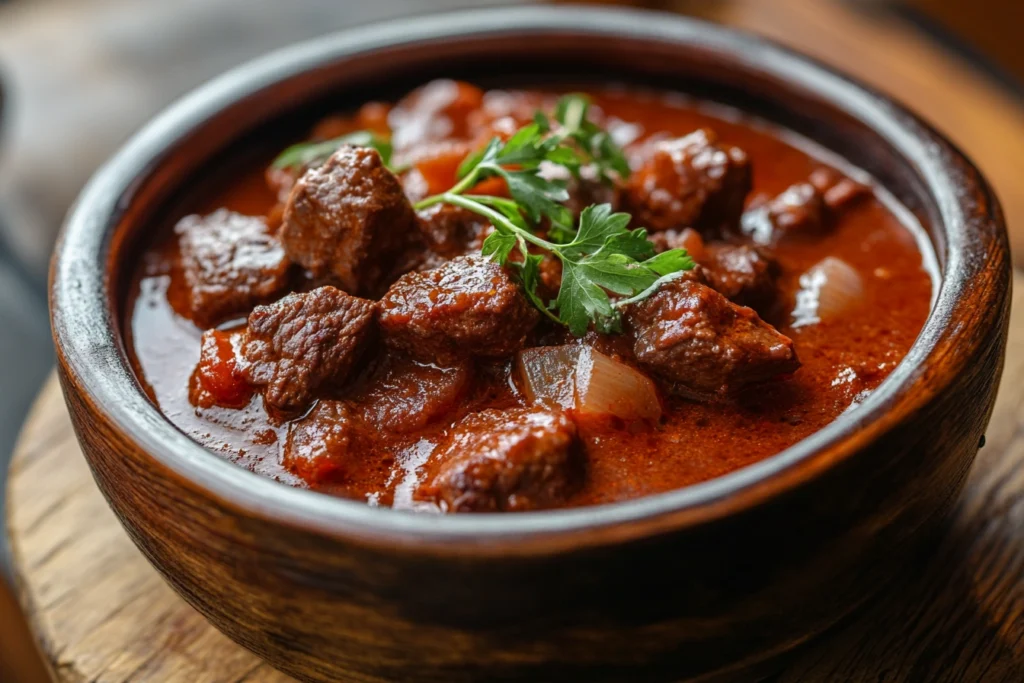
91	352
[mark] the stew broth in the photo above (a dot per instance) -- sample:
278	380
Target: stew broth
842	356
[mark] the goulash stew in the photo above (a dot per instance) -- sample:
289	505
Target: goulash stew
484	301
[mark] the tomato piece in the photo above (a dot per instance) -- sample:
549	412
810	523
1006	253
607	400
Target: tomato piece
373	116
217	380
439	166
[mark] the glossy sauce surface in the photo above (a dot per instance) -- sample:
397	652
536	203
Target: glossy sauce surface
842	359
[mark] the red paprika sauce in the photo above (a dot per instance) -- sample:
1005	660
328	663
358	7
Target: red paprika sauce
338	390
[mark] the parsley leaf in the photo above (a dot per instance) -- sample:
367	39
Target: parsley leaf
538	197
499	245
671	261
597	225
581	301
596	144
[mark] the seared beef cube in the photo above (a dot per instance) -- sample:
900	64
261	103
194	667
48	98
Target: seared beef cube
690	182
743	274
349	219
322	446
799	210
505	460
230	263
451	231
303	342
802	209
404	395
217	379
703	343
837	190
469	306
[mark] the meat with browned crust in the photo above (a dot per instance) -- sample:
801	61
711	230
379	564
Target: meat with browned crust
704	344
229	263
689	182
744	274
469	306
349	219
506	460
303	342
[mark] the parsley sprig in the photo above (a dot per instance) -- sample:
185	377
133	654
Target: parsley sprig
605	256
571	141
600	256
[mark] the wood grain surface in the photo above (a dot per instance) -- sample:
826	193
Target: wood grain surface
103	614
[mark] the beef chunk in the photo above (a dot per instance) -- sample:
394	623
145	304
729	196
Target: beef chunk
689	182
799	210
323	446
505	460
837	190
217	379
230	263
404	395
703	343
743	274
303	342
372	116
451	231
469	306
802	209
348	219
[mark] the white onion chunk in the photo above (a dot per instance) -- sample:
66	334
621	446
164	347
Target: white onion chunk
828	290
587	383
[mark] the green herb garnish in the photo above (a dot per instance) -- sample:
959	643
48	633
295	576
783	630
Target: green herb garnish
598	256
306	154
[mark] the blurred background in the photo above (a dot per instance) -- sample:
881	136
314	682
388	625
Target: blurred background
77	77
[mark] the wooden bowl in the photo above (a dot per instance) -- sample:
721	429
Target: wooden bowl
701	582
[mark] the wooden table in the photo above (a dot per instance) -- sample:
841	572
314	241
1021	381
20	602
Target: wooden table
102	613
956	614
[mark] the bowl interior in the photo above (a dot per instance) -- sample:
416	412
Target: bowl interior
264	104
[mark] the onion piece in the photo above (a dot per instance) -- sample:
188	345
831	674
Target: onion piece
587	383
549	375
829	289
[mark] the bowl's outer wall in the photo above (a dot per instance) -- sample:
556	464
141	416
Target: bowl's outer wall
612	604
684	603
